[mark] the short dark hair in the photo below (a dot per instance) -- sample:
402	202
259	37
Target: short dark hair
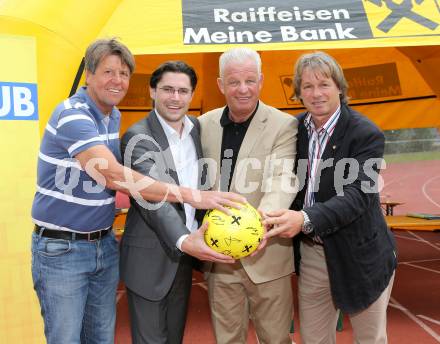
173	67
105	47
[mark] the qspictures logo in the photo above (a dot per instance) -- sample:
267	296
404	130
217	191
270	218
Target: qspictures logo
346	171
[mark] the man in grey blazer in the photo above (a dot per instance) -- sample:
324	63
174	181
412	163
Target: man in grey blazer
160	238
254	147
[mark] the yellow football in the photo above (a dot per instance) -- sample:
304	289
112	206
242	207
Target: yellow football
236	235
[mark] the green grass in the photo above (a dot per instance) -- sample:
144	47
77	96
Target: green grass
408	157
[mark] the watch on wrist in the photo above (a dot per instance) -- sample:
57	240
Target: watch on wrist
307	227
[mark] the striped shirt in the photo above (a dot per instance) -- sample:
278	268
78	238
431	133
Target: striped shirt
67	198
318	139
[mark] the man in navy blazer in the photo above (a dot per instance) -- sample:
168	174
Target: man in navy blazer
346	254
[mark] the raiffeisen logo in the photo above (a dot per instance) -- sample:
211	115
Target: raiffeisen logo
18	101
403	17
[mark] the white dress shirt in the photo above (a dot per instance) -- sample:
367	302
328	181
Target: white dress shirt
184	155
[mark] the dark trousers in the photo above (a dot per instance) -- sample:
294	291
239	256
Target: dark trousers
163	321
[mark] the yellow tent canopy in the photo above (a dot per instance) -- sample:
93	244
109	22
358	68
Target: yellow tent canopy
393	75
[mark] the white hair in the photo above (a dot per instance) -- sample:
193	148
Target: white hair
237	55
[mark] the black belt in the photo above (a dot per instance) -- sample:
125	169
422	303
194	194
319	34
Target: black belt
58	234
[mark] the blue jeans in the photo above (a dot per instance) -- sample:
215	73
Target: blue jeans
76	284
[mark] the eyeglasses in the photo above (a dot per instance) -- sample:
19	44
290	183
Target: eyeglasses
171	91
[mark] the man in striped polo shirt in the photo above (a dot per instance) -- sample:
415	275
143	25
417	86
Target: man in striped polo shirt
347	254
74	251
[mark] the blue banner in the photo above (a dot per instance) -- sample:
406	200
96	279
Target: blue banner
18	101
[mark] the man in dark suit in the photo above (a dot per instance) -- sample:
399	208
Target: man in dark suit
160	238
347	254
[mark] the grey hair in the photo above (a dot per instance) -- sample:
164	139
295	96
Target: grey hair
320	62
241	54
104	47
